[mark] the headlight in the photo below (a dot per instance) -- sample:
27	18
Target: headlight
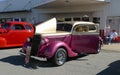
29	39
43	42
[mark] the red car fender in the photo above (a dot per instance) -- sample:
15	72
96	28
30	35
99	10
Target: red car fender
3	42
52	48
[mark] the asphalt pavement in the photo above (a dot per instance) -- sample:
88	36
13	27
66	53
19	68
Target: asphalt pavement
104	63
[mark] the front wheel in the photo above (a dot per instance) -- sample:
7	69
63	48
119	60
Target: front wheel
60	57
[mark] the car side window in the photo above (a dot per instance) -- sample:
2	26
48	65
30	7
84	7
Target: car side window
13	27
81	29
64	27
92	27
85	28
28	27
17	27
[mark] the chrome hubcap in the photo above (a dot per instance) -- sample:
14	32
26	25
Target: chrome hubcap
61	57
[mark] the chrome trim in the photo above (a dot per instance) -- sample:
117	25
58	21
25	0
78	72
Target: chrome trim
35	57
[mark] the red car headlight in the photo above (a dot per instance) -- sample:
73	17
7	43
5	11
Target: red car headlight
29	39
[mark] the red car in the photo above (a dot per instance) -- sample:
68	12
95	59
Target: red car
0	25
15	33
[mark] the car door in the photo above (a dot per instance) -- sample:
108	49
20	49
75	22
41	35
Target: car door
29	30
84	41
17	34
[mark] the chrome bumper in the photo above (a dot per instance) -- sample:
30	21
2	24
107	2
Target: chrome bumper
34	57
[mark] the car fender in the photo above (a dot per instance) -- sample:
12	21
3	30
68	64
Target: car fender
3	42
52	48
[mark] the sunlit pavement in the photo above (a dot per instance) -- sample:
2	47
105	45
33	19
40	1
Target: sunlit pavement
112	47
107	62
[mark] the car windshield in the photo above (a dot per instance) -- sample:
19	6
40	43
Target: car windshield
5	26
64	27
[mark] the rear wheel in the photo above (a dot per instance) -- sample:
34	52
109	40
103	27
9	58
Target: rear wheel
60	57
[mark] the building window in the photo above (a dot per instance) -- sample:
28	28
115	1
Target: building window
23	19
68	19
9	19
76	19
60	19
16	19
96	19
85	18
2	20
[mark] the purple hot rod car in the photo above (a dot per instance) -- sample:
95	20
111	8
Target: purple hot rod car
68	39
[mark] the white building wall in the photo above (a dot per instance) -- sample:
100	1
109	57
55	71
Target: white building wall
90	10
114	7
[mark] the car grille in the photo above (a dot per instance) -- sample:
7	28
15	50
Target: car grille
35	44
